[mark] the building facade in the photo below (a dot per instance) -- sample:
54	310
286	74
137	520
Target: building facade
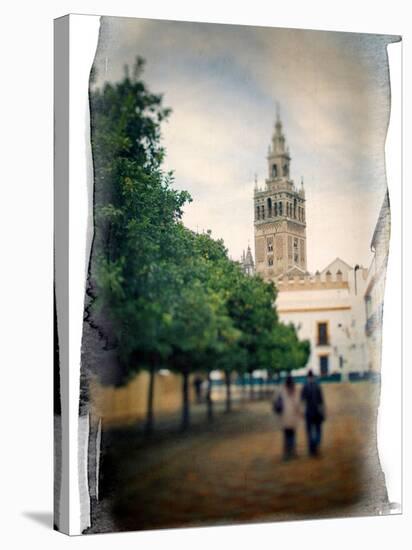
327	307
280	218
375	286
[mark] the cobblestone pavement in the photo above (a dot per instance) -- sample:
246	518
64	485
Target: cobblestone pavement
232	470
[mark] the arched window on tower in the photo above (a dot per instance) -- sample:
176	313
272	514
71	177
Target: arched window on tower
285	170
280	208
274	171
262	212
294	208
269	208
276	209
258	212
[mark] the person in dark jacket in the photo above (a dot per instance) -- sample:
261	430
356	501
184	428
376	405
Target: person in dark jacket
312	397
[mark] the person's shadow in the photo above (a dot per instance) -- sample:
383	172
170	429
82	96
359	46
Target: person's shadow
42	518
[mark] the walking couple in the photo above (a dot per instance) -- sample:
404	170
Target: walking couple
288	405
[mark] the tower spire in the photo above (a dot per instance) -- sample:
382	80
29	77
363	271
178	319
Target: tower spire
278	157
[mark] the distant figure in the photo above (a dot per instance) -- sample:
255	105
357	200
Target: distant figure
314	412
198	383
288	406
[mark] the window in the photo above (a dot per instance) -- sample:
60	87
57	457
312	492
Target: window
279	247
323	336
269	208
262	212
280	209
295	251
302	251
270	245
274	171
285	170
324	365
258	212
270	261
276	209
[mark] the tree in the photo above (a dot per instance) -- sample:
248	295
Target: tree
136	215
251	304
225	352
283	351
199	321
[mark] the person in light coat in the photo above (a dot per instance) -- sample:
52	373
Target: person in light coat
290	416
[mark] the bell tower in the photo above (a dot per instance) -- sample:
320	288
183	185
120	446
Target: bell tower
280	217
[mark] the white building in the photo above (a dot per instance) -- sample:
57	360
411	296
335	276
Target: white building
327	309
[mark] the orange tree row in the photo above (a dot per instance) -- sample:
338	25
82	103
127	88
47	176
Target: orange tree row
160	295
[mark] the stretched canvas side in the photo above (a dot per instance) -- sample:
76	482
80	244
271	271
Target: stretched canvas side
75	39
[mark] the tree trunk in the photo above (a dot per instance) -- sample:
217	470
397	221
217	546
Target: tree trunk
185	404
243	382
251	387
269	383
260	392
209	398
150	398
228	392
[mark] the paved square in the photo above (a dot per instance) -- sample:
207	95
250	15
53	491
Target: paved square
231	471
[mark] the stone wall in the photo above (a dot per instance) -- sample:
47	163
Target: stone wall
122	405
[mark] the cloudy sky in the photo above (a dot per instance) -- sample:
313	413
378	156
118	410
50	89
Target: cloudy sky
223	82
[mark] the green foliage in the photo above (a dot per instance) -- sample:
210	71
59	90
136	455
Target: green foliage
283	351
136	220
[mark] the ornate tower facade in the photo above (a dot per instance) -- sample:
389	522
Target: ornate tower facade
280	217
